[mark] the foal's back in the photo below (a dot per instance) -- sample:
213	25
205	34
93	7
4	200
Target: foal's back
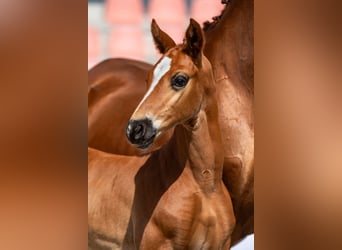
110	196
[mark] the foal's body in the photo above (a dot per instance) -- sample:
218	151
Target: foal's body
174	197
161	200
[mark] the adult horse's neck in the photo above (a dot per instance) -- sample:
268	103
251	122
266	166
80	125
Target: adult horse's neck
233	33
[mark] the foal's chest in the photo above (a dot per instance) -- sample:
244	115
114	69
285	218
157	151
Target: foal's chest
187	219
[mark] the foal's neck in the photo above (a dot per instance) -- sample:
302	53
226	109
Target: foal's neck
200	143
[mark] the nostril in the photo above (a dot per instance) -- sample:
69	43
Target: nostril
138	131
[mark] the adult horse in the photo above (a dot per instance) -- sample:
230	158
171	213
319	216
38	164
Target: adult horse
172	198
116	86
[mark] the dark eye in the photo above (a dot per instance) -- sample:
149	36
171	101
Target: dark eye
179	81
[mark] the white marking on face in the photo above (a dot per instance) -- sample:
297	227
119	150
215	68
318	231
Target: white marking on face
156	123
160	70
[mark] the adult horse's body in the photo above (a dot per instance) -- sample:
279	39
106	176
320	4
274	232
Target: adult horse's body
173	198
230	50
117	86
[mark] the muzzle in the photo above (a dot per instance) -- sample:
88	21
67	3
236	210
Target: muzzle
141	133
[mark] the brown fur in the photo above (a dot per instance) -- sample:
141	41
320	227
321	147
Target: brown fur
230	50
233	66
115	90
173	198
162	40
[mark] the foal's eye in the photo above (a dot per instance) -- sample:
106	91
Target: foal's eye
179	81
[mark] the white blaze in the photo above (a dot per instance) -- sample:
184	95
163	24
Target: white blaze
161	69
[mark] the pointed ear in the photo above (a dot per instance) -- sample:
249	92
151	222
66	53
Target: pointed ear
162	40
194	42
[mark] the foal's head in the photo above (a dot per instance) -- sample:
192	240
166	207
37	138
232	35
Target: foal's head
177	84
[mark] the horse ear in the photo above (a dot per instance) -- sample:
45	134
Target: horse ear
162	40
194	42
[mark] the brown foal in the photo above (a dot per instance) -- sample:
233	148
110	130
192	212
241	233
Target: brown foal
174	197
117	86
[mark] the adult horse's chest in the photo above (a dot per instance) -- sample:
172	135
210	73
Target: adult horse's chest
237	130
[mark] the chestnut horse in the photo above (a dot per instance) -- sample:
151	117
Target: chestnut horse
174	197
116	86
